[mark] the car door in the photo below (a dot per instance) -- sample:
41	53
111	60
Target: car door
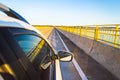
32	49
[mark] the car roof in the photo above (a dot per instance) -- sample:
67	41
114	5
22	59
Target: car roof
6	21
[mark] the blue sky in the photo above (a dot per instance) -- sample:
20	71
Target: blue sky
67	12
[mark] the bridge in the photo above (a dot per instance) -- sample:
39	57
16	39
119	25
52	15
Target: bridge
96	50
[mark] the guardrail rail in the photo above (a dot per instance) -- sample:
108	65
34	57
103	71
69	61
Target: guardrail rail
108	33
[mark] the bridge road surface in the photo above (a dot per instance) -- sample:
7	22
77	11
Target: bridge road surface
92	69
68	70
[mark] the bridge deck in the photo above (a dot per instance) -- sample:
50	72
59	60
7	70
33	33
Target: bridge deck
67	68
92	69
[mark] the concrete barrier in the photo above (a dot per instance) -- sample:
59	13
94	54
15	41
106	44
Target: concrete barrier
106	55
82	42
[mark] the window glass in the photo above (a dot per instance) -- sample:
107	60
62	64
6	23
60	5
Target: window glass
34	47
28	42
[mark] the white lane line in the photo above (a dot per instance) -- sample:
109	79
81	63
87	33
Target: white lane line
57	63
81	73
58	70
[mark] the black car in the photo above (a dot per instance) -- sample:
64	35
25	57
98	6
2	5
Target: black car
25	54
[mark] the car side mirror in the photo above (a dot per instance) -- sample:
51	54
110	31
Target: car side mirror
65	56
62	56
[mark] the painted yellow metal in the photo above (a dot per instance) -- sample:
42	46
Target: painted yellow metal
116	34
80	31
86	30
109	33
96	33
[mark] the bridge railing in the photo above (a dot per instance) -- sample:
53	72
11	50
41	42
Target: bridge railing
106	33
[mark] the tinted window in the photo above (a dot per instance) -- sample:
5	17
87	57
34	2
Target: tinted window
28	42
34	47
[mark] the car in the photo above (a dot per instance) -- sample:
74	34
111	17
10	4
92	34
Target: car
25	54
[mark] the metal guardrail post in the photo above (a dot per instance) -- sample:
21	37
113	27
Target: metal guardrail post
65	28
116	34
73	29
96	34
86	30
80	31
70	29
77	30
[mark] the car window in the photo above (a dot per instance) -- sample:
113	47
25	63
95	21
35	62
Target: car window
34	47
28	42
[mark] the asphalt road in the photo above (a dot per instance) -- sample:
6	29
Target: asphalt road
92	69
68	69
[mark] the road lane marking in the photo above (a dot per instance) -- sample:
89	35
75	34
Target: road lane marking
58	70
81	73
57	63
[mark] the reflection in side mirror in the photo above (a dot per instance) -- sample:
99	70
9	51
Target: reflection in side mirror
46	62
65	56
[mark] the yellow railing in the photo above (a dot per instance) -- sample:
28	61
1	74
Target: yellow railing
106	33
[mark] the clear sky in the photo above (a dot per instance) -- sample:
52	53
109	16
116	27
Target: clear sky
67	12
